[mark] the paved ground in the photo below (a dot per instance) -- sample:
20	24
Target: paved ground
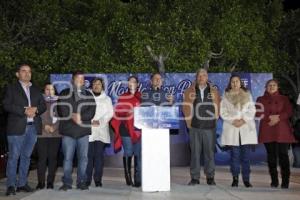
114	188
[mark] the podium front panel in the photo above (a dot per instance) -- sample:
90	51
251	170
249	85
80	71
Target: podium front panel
155	160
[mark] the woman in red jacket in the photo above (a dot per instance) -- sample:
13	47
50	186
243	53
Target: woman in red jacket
274	111
125	133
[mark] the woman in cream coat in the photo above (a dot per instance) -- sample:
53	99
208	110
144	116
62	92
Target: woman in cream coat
239	132
100	132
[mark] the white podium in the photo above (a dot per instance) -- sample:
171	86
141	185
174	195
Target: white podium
155	123
155	160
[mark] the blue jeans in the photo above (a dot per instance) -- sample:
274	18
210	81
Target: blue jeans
20	146
296	153
240	155
69	145
130	150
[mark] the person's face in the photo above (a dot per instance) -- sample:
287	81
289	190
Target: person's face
132	84
49	90
202	78
97	87
272	87
79	80
235	83
156	81
24	73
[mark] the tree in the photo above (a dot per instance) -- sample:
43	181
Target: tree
111	36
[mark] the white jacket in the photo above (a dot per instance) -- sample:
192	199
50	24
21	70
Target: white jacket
104	113
229	112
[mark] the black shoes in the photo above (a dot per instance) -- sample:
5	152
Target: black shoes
98	184
25	188
211	181
194	182
285	184
40	186
10	191
247	184
235	181
65	187
82	186
137	184
50	186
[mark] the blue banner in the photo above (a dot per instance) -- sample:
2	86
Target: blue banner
176	83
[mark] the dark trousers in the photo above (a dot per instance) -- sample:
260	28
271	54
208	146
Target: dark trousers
278	151
47	156
202	142
240	156
95	161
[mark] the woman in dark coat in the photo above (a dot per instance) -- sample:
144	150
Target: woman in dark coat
274	111
48	143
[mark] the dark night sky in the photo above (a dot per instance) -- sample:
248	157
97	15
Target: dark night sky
288	4
291	4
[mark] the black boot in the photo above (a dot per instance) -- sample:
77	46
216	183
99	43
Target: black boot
285	170
274	178
127	169
235	181
247	184
137	175
285	176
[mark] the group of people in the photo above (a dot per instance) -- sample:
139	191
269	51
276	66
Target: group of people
202	106
79	120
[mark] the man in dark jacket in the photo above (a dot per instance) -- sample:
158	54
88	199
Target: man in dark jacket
24	104
201	111
76	107
156	96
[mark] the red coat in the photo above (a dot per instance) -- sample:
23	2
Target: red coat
124	112
275	104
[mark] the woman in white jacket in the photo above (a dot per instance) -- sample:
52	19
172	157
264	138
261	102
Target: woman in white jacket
100	133
239	132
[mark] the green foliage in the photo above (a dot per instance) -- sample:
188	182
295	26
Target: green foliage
111	36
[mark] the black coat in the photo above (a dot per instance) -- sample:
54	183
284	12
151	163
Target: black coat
14	103
67	126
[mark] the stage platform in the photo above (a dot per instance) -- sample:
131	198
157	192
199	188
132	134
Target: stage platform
114	188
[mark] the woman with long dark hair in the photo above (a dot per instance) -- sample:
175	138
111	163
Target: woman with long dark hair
239	132
125	133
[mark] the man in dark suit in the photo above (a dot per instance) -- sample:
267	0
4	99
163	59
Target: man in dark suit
76	107
24	104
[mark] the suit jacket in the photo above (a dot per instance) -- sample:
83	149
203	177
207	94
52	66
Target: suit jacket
14	103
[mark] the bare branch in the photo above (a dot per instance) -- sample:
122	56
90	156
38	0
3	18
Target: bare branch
216	55
233	66
151	52
211	55
159	60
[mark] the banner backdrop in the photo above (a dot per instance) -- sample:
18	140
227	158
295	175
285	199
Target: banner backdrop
176	83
